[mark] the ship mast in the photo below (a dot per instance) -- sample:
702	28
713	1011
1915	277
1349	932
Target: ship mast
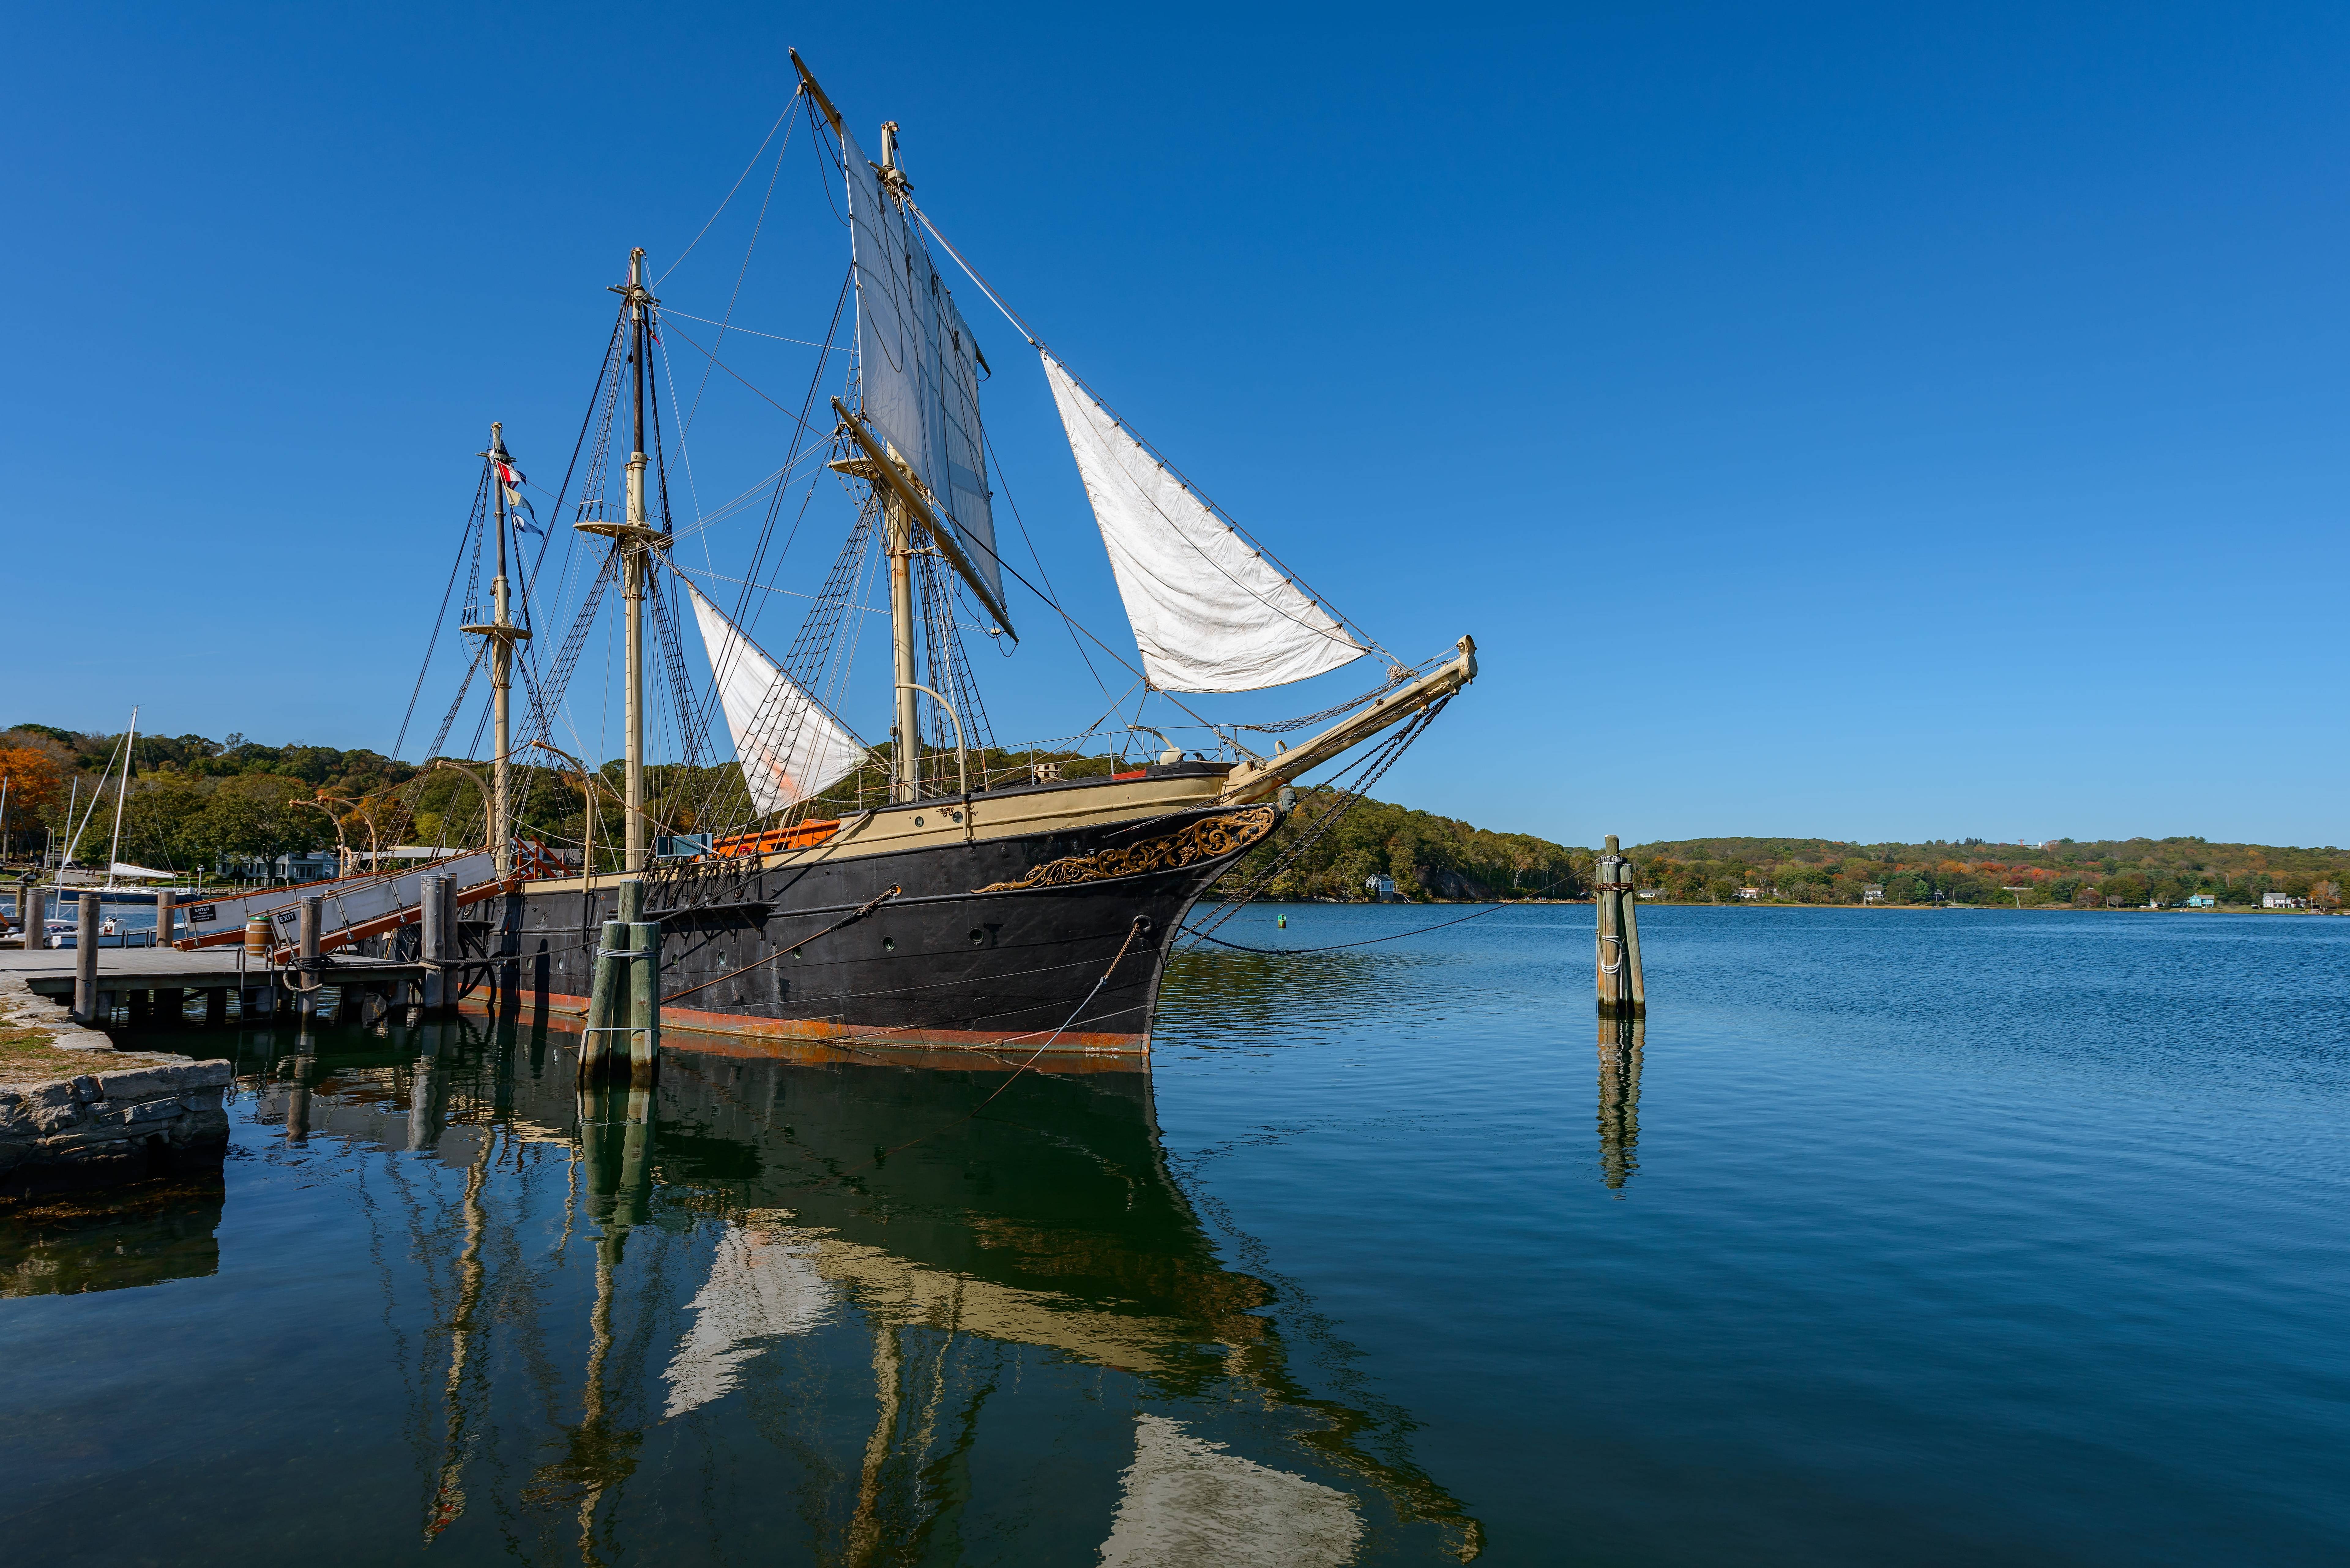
637	538
898	529
503	634
635	550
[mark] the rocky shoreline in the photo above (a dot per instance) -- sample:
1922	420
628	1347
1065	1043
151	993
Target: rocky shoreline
99	1116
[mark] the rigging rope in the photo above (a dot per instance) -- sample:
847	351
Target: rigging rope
1333	947
1371	769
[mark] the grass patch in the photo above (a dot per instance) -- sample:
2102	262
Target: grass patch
31	1056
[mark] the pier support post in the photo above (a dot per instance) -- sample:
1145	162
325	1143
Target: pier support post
644	1003
33	914
85	1008
216	1006
313	913
171	1008
433	930
167	914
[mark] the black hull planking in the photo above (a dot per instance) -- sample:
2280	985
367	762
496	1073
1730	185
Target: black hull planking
993	942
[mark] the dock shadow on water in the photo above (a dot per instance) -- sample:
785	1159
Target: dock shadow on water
822	1308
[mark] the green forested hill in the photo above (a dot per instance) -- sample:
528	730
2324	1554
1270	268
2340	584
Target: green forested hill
193	799
1971	871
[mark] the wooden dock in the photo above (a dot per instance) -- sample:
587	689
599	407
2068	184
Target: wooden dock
153	986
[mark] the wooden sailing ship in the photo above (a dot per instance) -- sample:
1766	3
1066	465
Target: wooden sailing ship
1029	911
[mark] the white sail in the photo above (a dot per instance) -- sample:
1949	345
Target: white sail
789	747
1188	1501
1209	613
918	363
762	1285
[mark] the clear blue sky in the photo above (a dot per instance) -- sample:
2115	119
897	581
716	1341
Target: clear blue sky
1829	419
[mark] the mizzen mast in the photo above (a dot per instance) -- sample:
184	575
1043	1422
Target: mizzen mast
503	634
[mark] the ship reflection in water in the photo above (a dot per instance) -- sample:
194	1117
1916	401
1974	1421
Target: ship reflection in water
833	1308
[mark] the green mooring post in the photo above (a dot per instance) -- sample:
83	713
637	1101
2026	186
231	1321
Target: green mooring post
607	998
644	1002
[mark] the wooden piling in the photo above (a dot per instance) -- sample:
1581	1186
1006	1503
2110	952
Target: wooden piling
33	914
216	1006
644	1003
85	1008
171	1008
167	916
313	915
1631	907
1621	991
433	934
607	991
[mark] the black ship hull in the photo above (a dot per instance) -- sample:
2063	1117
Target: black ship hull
1052	940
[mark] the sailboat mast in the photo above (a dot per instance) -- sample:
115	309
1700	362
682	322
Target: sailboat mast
634	552
129	746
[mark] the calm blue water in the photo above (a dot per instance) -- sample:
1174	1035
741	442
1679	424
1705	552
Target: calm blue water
1956	1237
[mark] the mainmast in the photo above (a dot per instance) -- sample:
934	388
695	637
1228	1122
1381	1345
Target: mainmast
502	633
897	528
637	538
915	427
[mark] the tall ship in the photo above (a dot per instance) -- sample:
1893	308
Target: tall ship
932	889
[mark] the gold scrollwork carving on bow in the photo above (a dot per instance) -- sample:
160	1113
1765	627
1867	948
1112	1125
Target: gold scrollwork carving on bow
1210	839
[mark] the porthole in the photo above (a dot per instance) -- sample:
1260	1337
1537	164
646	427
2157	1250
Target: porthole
956	815
977	938
917	822
889	944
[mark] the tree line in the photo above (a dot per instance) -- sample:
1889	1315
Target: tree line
2130	872
195	802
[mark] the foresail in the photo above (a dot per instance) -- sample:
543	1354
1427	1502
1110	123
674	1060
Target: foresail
918	364
1209	613
789	747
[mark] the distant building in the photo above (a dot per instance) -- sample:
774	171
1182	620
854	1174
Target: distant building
1873	894
2202	900
2282	901
1750	892
316	866
1380	886
1645	893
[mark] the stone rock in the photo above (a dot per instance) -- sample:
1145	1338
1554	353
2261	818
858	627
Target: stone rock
86	1086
